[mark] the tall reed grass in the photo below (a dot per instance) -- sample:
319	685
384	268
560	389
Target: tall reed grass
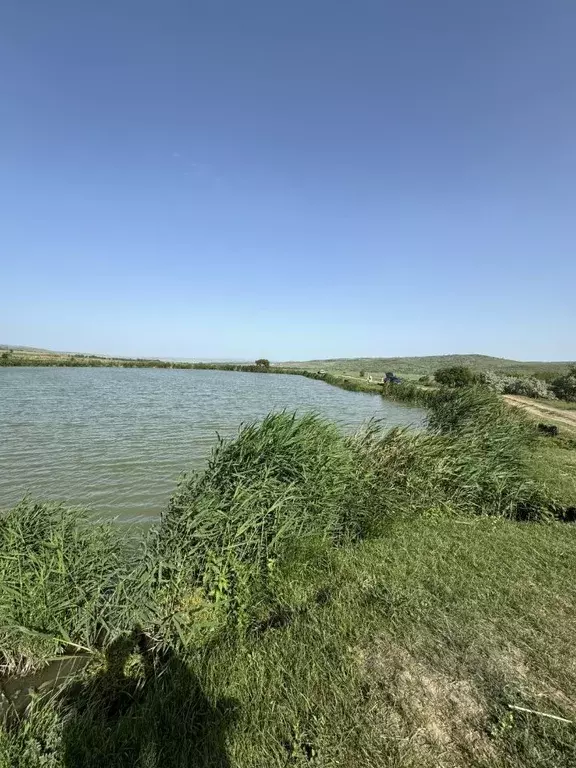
291	478
66	585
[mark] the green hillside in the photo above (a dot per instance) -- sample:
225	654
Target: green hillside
425	365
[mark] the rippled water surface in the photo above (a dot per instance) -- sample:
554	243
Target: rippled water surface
116	440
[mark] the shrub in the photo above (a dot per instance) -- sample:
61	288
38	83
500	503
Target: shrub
547	376
493	381
263	362
527	386
564	387
456	376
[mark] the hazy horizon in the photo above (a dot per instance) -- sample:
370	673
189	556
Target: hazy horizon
212	359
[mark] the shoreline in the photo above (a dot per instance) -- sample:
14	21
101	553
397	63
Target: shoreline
407	393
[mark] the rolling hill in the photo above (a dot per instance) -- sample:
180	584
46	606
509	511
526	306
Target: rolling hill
419	366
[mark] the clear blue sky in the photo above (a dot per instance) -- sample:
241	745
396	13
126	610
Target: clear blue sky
290	179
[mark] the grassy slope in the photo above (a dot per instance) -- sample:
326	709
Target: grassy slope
426	365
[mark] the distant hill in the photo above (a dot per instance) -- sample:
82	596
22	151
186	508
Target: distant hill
419	366
38	352
28	350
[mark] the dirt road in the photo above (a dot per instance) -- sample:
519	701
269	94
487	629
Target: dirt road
544	412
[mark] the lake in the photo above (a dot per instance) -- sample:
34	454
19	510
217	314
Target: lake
115	440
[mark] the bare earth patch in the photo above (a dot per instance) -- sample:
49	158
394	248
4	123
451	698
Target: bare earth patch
440	720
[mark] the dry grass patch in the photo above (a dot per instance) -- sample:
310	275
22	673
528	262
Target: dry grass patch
440	720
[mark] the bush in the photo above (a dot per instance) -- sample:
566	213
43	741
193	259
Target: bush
564	387
547	376
263	362
493	381
526	386
456	376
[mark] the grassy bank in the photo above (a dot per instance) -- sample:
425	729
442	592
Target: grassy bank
309	599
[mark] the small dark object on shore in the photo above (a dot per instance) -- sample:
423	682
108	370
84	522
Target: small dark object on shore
548	429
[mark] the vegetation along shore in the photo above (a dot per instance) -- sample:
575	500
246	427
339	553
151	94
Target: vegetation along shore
535	379
393	598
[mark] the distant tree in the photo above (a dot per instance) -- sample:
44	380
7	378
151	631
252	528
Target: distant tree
456	376
564	387
362	374
263	363
5	355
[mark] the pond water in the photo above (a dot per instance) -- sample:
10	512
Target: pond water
116	440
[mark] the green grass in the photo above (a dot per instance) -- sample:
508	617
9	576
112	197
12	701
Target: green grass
554	463
311	599
400	651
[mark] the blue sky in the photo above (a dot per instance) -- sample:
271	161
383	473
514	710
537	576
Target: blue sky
294	180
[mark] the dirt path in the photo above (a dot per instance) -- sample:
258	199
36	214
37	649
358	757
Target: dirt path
544	412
